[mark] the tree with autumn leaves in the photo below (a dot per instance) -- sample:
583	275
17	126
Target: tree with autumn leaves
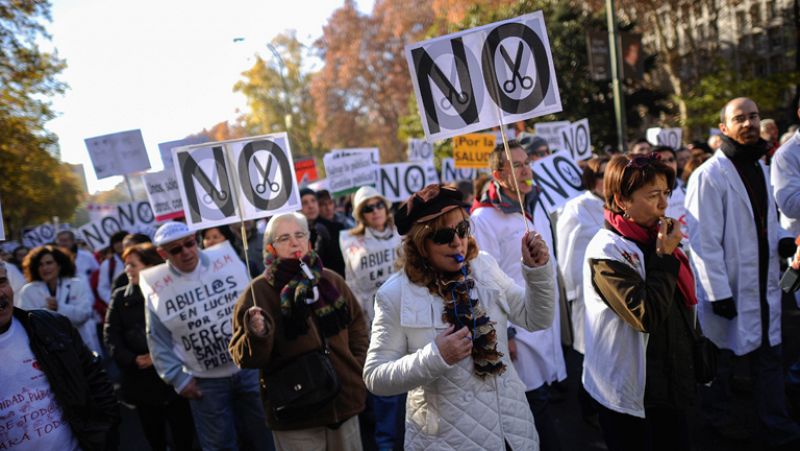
34	185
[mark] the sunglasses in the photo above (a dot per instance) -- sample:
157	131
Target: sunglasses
448	234
179	248
369	208
643	161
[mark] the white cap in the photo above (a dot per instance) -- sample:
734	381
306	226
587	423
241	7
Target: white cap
170	232
364	194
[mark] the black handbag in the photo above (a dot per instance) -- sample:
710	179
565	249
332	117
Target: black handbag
704	354
302	386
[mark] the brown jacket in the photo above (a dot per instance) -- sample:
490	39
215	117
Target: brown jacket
348	352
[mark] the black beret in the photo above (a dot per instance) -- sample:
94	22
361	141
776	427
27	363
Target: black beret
427	204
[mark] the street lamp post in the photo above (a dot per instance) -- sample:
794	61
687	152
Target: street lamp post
616	73
287	117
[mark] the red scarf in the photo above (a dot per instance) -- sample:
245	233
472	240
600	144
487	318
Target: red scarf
635	232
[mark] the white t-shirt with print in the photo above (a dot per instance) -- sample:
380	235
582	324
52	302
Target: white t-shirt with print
30	417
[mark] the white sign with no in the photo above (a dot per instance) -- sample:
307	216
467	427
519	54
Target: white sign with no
559	178
398	181
665	137
577	140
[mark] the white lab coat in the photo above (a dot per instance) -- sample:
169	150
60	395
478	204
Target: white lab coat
725	255
579	221
540	359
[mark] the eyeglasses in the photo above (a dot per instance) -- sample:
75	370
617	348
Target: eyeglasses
448	234
283	239
179	248
369	208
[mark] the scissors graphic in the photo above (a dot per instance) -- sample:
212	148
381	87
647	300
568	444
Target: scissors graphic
510	85
452	95
208	198
261	188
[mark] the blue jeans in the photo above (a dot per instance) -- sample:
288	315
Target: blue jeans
229	409
389	422
776	426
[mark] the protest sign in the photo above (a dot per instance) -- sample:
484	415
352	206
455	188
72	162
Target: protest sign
559	178
471	80
452	174
164	194
165	149
100	211
230	181
42	234
577	140
133	217
198	310
551	132
472	151
665	137
118	153
9	246
349	169
420	150
398	181
306	171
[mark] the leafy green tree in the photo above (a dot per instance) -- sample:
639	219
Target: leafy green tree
34	186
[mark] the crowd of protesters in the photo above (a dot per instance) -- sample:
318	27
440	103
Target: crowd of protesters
440	322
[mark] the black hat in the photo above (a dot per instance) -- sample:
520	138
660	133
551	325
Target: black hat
426	204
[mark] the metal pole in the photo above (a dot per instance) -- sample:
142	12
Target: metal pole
616	73
128	184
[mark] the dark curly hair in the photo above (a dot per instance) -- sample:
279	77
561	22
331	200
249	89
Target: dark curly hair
62	256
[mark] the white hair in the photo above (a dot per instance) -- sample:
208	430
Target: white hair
269	234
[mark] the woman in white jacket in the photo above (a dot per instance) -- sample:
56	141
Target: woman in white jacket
52	285
440	331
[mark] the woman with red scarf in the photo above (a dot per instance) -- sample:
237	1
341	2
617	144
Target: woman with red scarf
640	301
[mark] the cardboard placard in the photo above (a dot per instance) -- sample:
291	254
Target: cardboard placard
164	195
665	137
229	181
133	217
472	151
470	80
559	178
118	153
398	181
349	169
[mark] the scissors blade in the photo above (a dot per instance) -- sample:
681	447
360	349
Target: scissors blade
518	59
507	58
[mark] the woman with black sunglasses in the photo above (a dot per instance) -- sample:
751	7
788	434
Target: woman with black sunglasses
439	331
370	250
639	295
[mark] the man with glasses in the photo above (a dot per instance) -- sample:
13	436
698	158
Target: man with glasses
189	303
499	227
734	233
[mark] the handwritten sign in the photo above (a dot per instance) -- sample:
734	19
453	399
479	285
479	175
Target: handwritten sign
118	153
349	169
472	151
559	178
461	80
164	195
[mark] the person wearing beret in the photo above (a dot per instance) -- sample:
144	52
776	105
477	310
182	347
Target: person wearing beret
439	331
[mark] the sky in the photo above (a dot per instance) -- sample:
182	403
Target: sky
165	67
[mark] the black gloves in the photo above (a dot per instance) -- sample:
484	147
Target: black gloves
724	308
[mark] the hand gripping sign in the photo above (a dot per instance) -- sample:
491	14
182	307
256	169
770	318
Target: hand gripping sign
482	77
229	181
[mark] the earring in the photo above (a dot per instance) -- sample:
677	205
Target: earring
625	215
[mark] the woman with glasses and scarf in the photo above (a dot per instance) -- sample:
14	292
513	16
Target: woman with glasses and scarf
639	295
439	331
52	285
370	251
294	308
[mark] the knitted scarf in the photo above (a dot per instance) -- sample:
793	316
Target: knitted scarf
461	309
647	237
495	197
300	295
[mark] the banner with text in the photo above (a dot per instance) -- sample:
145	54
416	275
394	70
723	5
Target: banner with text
229	181
471	80
42	234
398	181
472	151
118	153
349	169
133	217
559	178
164	194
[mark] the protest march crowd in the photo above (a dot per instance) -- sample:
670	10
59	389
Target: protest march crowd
437	320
